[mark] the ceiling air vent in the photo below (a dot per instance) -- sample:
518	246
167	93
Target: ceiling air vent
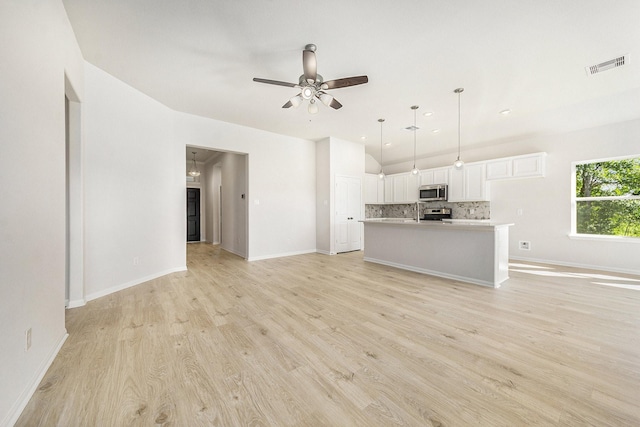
607	65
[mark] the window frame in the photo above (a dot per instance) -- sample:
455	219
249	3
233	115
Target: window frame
574	203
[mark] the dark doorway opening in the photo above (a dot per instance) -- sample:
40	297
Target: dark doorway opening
193	214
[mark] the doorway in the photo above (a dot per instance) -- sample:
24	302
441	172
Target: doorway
193	214
348	236
74	234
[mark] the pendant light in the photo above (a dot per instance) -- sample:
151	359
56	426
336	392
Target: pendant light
458	164
194	169
381	174
415	171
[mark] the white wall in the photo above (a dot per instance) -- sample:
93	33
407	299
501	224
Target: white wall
38	48
371	165
546	207
334	157
234	203
281	188
546	202
134	187
213	177
324	232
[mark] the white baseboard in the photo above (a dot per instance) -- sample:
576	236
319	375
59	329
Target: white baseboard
280	255
76	303
234	252
135	282
434	273
577	265
323	252
21	403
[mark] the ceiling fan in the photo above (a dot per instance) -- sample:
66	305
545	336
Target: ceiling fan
312	85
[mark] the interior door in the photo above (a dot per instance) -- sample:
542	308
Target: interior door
193	214
347	229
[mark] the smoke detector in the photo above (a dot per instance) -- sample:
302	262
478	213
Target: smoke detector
607	65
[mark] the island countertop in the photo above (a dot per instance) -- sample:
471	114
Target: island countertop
469	251
460	224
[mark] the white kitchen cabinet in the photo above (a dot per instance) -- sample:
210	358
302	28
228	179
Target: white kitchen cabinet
499	169
468	184
400	188
532	165
525	166
388	189
373	189
403	188
434	176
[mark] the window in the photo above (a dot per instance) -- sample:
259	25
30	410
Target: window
607	197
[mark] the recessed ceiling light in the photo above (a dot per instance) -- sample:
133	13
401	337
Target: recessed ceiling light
363	138
387	144
428	114
505	112
412	128
435	130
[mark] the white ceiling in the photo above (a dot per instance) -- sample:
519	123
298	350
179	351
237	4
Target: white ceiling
200	57
202	155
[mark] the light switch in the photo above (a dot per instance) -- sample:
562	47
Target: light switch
256	202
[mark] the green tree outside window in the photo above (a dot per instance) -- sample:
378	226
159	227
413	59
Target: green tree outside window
608	197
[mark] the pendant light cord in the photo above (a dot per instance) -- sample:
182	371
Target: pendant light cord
414	134
459	92
415	170
381	174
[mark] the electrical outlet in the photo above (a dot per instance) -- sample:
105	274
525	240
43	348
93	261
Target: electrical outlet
136	260
472	211
519	211
524	245
27	340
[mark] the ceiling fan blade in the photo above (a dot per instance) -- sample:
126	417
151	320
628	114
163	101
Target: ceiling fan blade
275	82
329	100
335	104
346	82
309	65
287	105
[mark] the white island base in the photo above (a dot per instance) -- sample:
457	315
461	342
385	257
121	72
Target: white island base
473	253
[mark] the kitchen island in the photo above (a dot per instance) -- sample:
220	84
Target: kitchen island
473	252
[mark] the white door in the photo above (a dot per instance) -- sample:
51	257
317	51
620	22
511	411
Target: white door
348	193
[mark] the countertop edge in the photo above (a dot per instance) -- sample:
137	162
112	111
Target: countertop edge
484	226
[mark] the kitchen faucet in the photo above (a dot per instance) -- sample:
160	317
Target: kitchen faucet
418	212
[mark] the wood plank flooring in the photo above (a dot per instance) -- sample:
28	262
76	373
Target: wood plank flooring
316	340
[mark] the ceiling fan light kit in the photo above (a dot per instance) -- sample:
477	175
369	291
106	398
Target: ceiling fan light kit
311	84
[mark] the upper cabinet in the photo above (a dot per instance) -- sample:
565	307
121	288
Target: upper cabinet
405	187
526	166
435	176
471	183
373	189
468	184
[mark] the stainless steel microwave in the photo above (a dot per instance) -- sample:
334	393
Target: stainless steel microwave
430	193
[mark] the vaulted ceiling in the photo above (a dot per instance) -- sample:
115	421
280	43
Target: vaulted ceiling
200	57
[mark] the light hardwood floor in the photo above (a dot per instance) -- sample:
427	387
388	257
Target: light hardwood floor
316	340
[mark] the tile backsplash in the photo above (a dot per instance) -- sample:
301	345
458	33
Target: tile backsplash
459	210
